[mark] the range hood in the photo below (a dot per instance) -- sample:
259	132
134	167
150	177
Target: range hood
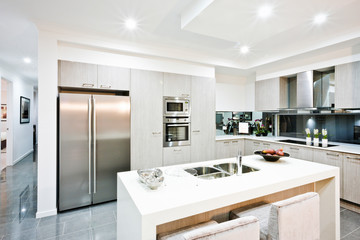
311	90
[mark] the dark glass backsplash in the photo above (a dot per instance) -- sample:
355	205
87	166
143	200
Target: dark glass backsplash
341	127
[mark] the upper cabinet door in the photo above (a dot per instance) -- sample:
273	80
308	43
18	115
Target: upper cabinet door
177	85
347	84
74	74
116	78
271	94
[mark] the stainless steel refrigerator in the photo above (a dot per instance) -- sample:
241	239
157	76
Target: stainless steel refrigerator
94	144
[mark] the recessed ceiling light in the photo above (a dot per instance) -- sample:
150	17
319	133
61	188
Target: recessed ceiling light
265	11
27	60
130	24
320	18
244	49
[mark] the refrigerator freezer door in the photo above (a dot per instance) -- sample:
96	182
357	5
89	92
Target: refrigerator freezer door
74	158
112	130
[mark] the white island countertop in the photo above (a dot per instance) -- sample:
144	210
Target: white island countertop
140	209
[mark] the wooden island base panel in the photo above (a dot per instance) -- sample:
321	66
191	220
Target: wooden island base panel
221	214
186	200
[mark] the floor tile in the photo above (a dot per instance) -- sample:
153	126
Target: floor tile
349	221
106	232
80	235
354	235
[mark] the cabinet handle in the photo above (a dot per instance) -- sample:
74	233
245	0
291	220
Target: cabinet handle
226	142
177	150
235	141
256	143
266	144
154	133
105	86
185	95
353	158
88	85
196	131
333	154
292	148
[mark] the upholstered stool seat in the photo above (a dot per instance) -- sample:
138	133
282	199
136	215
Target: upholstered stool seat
296	218
246	228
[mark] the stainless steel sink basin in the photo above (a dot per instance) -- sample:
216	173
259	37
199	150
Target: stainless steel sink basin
199	171
232	168
214	175
218	171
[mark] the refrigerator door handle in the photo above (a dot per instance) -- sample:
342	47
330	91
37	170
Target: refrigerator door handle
94	142
90	141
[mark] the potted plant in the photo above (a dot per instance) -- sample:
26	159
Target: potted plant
316	137
263	131
308	137
325	138
257	128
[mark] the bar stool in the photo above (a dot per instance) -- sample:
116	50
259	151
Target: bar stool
295	218
246	228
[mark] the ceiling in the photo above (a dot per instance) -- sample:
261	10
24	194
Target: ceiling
203	31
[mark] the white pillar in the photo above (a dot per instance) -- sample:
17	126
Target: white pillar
47	93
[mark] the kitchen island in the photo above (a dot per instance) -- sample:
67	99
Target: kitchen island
186	200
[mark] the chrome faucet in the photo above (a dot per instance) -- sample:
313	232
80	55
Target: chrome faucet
239	163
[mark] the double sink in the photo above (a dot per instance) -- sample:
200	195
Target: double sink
218	170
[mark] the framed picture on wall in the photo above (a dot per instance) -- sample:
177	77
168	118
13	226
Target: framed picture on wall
3	112
24	110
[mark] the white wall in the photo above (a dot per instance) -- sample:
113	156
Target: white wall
53	46
23	133
235	93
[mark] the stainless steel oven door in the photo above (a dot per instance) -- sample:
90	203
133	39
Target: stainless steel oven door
176	134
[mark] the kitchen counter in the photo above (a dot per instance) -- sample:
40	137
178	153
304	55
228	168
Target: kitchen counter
140	211
342	147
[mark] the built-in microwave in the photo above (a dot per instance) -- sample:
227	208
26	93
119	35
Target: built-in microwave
176	106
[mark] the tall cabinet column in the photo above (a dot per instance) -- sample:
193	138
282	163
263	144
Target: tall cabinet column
146	92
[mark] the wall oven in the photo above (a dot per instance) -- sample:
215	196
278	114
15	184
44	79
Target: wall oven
176	131
176	106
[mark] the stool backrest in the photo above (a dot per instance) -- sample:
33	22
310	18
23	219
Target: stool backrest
296	218
245	228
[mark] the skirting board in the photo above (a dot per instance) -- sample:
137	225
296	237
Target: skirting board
46	213
23	156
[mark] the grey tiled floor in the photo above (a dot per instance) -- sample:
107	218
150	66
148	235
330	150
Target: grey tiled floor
94	223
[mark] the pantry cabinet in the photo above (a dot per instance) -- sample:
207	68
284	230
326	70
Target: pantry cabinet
146	119
202	119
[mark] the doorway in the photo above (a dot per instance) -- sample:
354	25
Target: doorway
5	118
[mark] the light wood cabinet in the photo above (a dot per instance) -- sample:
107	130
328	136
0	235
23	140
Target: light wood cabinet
177	85
223	149
202	119
176	155
84	75
351	170
333	159
303	153
146	119
271	94
75	74
251	146
347	84
116	78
